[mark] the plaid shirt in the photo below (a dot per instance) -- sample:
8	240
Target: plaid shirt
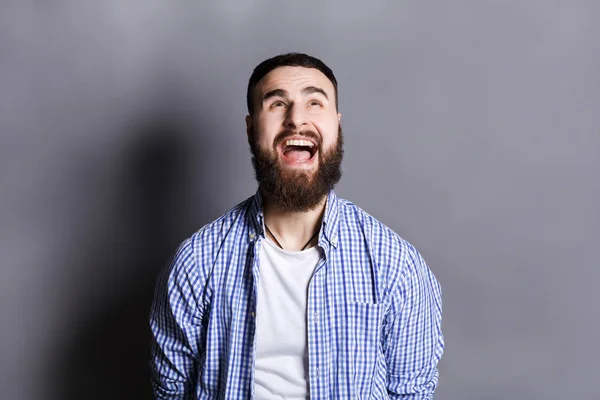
373	311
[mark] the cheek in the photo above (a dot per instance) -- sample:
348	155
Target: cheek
265	131
329	131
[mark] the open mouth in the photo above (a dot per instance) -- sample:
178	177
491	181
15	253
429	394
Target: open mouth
299	150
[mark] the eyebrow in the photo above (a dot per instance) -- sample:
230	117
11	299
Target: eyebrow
313	89
275	93
284	93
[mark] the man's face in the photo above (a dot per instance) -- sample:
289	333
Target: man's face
295	137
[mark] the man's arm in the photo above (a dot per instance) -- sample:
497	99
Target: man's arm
413	337
175	321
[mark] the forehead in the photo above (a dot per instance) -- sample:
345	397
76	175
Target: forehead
294	78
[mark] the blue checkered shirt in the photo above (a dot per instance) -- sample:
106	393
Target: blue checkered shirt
373	311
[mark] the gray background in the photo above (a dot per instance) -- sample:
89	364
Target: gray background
471	127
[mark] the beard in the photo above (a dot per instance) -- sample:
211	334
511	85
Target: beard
298	191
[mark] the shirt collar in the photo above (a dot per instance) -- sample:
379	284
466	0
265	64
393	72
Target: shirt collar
329	226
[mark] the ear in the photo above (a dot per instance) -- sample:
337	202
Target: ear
248	125
339	117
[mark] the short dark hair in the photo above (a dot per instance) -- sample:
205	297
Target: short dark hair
287	60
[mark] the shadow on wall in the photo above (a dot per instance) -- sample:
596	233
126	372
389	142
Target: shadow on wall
107	355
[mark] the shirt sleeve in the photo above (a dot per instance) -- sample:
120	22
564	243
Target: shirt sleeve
413	340
176	325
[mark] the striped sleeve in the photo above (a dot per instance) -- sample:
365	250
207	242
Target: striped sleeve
414	341
175	322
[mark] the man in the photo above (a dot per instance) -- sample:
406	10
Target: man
295	293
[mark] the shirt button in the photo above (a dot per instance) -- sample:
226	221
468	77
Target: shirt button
252	236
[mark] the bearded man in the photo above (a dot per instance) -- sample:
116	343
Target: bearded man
296	293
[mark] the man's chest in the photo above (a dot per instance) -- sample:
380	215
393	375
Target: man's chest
342	321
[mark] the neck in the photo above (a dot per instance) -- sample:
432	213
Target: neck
293	229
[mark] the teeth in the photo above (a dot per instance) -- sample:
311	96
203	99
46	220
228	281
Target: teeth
299	143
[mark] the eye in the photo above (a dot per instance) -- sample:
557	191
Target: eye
277	104
315	103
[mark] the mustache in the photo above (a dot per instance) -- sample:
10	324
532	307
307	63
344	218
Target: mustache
307	133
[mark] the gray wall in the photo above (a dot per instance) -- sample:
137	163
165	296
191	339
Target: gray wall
472	129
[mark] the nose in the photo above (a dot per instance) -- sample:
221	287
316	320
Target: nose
295	117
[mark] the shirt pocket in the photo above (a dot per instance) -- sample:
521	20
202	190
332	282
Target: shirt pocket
359	342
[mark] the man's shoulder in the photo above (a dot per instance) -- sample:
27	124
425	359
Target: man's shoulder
395	257
355	218
199	250
235	217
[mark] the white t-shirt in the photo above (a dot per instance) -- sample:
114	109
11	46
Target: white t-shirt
281	368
